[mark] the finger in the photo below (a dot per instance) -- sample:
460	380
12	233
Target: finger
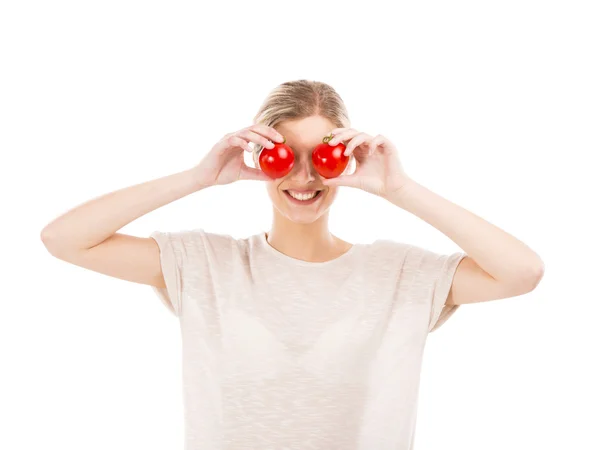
250	173
355	142
342	180
343	136
377	141
267	131
256	138
236	141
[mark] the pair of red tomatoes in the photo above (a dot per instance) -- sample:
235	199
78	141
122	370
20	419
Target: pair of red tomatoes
329	160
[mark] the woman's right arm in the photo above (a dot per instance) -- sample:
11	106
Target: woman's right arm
87	234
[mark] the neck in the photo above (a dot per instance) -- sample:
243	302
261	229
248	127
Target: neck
306	241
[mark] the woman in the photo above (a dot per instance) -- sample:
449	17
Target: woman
295	338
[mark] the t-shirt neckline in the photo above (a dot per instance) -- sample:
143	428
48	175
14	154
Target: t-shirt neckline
272	250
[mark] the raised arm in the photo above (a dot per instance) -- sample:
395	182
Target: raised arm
87	234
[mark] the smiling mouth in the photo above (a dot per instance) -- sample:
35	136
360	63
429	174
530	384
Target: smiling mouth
303	197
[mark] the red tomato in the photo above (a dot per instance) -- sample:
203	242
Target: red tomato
329	160
278	161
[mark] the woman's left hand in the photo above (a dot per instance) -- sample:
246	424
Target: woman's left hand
378	170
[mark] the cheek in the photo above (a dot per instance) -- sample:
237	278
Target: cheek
271	187
273	191
333	191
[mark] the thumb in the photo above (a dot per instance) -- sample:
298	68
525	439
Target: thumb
342	180
250	173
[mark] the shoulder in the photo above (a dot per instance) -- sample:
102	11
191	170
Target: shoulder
198	241
408	257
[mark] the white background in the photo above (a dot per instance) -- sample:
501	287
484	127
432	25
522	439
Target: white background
493	105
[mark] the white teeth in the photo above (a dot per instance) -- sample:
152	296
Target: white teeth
302	197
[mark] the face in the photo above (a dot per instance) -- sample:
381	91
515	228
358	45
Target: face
303	136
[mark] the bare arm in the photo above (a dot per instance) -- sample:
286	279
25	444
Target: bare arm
89	224
87	234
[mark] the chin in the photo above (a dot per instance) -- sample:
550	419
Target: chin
296	214
302	219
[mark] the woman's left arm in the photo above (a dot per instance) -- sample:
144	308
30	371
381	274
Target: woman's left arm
497	264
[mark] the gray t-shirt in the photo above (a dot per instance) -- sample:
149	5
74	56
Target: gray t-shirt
280	353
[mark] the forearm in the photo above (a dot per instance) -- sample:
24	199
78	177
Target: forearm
94	221
500	254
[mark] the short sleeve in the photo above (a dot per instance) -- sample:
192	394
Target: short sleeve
434	275
172	250
193	263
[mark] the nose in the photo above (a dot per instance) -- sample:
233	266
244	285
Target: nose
303	170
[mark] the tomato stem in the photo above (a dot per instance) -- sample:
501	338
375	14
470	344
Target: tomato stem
326	139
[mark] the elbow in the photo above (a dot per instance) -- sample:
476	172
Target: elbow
49	241
45	236
534	275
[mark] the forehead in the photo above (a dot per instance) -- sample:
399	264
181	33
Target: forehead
305	133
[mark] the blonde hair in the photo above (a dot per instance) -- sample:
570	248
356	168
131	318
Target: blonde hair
299	99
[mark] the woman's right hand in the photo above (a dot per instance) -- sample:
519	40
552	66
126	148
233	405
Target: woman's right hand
224	163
